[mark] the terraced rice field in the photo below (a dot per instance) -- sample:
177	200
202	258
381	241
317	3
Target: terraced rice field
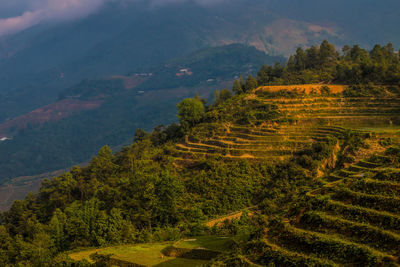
341	111
354	220
238	142
310	117
308	88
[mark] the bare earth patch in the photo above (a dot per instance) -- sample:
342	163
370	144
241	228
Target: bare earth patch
231	217
53	112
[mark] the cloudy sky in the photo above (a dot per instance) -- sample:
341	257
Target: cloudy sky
17	15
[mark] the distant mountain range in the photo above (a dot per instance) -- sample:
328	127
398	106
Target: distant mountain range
36	64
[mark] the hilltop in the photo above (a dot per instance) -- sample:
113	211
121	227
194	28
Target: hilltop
276	173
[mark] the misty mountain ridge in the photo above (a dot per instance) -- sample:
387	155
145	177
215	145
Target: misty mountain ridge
37	63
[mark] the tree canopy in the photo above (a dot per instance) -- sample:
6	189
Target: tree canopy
190	112
324	64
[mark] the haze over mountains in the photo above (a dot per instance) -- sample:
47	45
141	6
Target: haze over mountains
42	57
120	36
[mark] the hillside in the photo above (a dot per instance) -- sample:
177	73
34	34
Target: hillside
61	96
298	174
302	117
353	219
108	111
244	153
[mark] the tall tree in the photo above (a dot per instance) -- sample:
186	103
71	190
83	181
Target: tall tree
168	191
327	54
299	60
251	83
265	74
57	230
312	57
190	112
237	87
222	96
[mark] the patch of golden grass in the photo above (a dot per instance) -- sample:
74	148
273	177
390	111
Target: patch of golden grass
230	217
372	147
247	156
335	109
308	88
251	96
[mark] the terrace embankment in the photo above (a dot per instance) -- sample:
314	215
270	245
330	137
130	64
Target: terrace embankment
308	113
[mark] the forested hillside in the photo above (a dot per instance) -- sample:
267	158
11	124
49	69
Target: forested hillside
280	172
108	111
87	77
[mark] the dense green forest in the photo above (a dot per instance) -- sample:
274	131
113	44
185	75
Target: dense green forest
169	182
325	64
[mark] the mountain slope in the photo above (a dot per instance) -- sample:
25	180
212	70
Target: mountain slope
108	111
230	163
40	62
351	220
317	164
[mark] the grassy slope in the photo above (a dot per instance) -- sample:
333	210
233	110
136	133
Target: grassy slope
150	254
367	205
311	116
331	237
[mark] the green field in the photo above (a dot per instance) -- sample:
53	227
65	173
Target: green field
150	254
208	242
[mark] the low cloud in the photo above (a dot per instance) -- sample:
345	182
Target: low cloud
48	10
200	2
33	12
